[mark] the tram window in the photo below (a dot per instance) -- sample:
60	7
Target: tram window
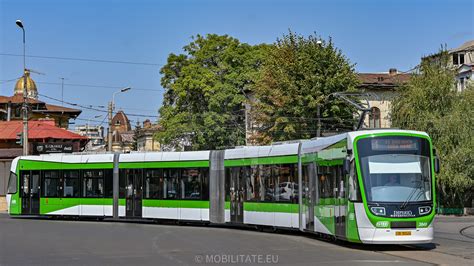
204	184
252	182
286	182
170	184
12	183
51	184
267	188
93	184
109	183
326	180
190	184
153	183
71	183
122	189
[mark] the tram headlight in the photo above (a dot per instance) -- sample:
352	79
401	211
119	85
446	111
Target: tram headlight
424	210
380	211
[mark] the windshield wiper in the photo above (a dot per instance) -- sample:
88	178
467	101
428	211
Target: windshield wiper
419	186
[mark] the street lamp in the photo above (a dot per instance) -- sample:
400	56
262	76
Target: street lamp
25	91
111	110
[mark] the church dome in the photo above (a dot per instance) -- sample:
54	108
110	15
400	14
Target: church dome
32	91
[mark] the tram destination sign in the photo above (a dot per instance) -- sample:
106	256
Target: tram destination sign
45	148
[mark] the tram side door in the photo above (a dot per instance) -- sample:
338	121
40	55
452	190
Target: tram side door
134	195
340	204
309	174
236	190
30	192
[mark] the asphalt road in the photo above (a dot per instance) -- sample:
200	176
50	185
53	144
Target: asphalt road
58	242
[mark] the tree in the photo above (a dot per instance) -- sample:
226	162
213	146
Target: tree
296	79
136	136
429	102
204	92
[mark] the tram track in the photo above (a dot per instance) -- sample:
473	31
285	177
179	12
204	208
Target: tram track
464	229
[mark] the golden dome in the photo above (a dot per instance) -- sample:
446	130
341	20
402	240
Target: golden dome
32	91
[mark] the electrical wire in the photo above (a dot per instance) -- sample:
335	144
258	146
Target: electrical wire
83	59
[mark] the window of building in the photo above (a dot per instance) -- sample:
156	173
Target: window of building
455	59
374	118
461	59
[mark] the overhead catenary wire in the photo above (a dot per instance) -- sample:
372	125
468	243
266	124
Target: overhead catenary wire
93	108
83	59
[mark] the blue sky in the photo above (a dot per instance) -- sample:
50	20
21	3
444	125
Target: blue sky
374	35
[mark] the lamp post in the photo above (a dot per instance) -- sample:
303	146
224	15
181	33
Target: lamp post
111	110
25	96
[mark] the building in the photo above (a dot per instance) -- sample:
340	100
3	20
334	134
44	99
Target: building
43	137
145	137
11	106
382	88
122	133
95	134
47	124
462	59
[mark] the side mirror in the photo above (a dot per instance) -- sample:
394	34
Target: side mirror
347	166
436	165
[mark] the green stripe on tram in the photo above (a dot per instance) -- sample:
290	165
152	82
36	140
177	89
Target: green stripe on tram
198	204
48	205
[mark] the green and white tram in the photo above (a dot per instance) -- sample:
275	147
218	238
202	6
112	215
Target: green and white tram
373	186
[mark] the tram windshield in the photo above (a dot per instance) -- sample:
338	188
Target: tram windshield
395	169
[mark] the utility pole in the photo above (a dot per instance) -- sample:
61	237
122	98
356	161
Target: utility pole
62	91
109	133
25	92
318	129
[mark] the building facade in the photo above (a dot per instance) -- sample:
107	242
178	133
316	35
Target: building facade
11	106
382	89
145	137
95	134
462	59
122	133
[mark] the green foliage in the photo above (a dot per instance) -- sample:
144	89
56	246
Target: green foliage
430	103
297	77
136	135
205	92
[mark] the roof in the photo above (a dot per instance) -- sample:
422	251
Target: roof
50	108
18	98
36	130
382	79
469	45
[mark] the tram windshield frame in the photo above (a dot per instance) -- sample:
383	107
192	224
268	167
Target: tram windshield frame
396	169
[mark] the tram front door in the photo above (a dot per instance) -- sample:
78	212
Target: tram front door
236	193
30	192
134	189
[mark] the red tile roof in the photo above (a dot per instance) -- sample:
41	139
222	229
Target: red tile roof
36	130
383	78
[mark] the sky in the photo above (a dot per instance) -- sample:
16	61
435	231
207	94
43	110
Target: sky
373	35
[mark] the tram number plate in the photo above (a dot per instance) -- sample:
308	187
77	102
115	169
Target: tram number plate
403	233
